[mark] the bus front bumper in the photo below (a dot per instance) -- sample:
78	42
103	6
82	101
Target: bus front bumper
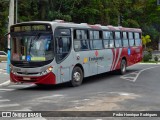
47	79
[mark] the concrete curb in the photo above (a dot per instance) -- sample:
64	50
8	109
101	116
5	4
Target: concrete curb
151	63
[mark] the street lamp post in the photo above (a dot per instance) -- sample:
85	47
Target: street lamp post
158	3
16	11
11	22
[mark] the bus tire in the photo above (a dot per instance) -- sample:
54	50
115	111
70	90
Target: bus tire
123	66
77	77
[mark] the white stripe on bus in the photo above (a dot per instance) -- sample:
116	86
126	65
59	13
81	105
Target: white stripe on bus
120	51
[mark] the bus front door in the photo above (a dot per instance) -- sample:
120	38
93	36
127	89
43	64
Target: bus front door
63	58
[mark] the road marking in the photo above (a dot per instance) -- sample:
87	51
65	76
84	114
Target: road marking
2	71
142	71
125	94
9	105
7	89
24	109
79	107
134	75
4	100
5	83
79	101
17	86
58	95
150	63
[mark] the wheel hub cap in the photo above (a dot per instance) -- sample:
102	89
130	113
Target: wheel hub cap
123	67
77	76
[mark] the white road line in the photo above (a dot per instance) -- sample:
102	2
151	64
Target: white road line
150	63
3	73
2	70
24	109
134	73
5	83
9	105
4	100
125	94
127	77
6	90
142	71
137	73
14	85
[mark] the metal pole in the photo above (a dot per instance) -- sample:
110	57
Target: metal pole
11	22
16	10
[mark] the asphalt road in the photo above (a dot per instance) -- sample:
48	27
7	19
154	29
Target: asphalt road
138	90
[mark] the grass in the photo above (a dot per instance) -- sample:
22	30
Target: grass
150	62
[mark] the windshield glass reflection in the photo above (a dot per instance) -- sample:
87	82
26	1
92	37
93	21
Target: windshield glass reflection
32	48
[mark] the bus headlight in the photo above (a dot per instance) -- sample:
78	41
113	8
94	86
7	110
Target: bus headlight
49	69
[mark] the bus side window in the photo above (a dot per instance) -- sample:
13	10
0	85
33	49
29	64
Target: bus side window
131	39
96	39
118	42
81	40
106	37
125	39
111	41
137	39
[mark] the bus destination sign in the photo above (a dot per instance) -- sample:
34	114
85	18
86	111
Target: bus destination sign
27	28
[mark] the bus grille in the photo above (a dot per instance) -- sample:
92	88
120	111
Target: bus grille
33	79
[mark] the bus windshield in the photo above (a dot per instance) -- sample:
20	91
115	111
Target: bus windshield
32	47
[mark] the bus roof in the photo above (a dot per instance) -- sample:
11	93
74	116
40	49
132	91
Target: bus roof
62	23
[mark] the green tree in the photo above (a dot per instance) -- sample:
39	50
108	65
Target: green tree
3	23
146	39
144	14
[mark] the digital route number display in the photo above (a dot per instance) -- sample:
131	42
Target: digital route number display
27	28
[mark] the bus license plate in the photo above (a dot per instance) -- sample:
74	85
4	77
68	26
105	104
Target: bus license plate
25	78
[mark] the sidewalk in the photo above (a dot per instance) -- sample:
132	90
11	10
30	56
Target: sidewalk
4	78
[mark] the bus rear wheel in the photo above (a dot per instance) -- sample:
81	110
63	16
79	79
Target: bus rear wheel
77	77
123	66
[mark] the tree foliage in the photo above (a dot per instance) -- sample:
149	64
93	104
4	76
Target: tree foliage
146	39
144	14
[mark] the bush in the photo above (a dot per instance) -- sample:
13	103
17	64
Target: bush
147	56
156	58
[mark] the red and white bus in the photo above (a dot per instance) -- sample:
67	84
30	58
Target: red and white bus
56	52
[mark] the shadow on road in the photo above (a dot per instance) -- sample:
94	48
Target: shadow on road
89	80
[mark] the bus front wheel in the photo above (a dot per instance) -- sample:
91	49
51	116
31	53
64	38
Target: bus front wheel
77	77
123	66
